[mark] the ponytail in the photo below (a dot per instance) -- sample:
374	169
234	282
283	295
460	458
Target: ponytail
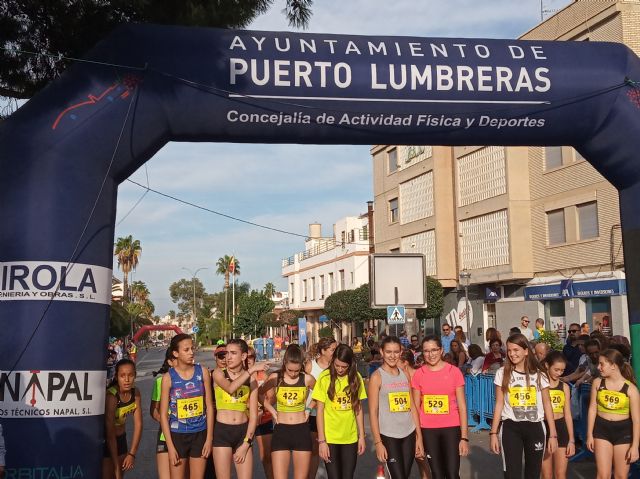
614	356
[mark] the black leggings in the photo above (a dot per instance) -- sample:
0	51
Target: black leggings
442	447
400	454
343	458
518	437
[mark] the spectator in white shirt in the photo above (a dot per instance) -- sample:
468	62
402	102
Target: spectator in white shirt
524	328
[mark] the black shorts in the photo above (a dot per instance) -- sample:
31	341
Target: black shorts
229	435
291	437
264	429
313	424
161	444
616	432
562	432
189	444
121	442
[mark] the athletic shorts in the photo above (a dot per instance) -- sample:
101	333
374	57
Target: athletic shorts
189	444
291	437
264	429
562	432
313	423
161	444
121	442
616	432
229	435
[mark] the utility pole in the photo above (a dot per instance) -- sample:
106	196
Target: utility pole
193	309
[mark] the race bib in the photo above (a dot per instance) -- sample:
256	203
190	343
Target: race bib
238	397
612	399
292	397
341	402
435	404
557	400
190	407
399	401
521	396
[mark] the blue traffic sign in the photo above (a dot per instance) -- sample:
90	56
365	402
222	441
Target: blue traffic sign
395	314
195	329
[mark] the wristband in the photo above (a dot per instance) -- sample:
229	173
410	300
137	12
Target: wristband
322	441
307	409
464	439
493	433
553	437
131	454
248	440
377	442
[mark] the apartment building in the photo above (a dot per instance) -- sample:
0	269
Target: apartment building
327	265
536	230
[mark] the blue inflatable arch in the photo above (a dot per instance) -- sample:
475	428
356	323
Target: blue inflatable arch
65	152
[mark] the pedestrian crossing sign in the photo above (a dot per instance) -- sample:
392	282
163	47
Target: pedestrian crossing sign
395	314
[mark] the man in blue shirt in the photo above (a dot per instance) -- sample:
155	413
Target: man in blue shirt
571	350
447	337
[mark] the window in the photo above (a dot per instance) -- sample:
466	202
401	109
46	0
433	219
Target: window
392	160
588	220
312	296
343	238
304	290
340	280
353	280
394	250
291	290
322	286
552	157
393	211
330	286
364	234
555	227
352	236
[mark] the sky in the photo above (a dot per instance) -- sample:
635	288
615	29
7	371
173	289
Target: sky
281	186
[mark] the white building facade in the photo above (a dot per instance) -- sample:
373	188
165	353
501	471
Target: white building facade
328	265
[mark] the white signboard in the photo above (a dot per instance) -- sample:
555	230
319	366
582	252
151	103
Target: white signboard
38	394
397	279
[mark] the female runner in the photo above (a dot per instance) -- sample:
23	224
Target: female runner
439	389
288	389
322	354
236	413
408	365
338	394
264	429
186	411
395	424
555	465
613	429
122	400
522	406
162	453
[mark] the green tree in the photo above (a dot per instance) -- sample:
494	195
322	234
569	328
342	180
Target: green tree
251	310
181	292
225	266
290	316
269	290
69	28
352	305
128	252
435	300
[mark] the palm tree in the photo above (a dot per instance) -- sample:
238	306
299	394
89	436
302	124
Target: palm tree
225	268
139	292
128	252
269	290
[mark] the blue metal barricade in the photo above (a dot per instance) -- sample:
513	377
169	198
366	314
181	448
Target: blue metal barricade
481	399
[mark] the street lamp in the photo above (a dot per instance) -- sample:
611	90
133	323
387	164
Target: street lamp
193	281
465	279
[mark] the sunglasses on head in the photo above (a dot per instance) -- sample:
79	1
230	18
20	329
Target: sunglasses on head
574	330
221	355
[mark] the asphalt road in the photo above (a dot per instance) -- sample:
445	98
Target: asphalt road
479	464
